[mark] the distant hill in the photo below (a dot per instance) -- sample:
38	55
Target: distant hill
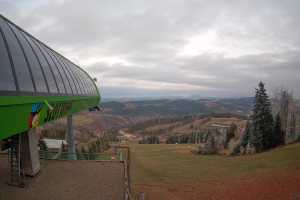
163	117
163	128
176	108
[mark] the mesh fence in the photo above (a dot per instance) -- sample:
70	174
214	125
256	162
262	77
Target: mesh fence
54	155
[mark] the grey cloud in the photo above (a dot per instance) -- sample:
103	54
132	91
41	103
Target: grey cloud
241	74
150	34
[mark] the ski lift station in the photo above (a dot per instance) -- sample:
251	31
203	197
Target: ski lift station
37	85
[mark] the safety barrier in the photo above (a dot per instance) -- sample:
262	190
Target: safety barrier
56	155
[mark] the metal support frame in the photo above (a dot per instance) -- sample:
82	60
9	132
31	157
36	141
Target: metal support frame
15	161
71	139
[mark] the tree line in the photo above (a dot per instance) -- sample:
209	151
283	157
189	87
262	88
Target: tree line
150	140
269	128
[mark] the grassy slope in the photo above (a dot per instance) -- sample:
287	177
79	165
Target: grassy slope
164	164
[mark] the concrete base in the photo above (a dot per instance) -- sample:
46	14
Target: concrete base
29	153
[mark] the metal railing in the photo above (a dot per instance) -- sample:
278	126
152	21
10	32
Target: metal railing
56	155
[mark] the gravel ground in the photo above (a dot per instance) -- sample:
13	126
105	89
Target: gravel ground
67	180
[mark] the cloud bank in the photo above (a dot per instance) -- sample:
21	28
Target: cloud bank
174	47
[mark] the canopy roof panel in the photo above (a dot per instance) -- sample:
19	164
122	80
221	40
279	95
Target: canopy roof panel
29	67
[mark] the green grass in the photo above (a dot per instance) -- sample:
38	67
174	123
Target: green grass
163	164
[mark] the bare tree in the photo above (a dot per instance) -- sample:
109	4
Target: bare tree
283	103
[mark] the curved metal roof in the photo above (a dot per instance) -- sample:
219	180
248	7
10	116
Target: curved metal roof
29	67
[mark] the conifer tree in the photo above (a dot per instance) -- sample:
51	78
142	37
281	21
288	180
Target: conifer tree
247	135
262	120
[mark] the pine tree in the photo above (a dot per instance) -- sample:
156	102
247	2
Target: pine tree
278	134
247	135
262	120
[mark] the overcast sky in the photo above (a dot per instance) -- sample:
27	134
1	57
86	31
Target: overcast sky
175	48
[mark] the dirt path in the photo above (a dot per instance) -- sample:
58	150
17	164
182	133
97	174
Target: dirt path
68	180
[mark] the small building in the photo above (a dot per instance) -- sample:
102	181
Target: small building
54	144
